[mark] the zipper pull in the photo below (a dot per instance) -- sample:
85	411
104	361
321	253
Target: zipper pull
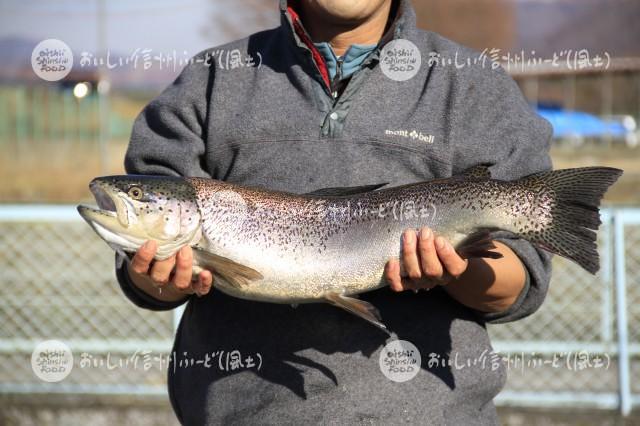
337	78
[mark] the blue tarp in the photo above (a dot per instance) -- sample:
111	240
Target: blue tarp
576	123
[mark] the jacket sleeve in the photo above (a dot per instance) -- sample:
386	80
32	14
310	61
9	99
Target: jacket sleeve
514	140
137	296
168	138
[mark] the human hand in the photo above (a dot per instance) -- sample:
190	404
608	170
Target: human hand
428	260
169	279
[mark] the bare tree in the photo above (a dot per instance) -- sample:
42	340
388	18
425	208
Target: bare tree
476	23
233	19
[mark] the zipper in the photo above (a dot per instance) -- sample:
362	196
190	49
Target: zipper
336	80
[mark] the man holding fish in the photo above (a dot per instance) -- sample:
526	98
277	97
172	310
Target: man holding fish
325	109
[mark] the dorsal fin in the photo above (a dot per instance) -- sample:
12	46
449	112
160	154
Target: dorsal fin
346	190
480	171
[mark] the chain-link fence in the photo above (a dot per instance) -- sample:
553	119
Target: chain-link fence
57	282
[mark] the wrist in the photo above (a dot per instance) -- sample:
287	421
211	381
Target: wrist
490	285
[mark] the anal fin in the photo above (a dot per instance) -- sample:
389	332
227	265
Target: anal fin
357	307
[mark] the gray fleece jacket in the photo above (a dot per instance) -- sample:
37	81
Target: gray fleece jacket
275	122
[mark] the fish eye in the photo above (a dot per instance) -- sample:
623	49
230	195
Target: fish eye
135	192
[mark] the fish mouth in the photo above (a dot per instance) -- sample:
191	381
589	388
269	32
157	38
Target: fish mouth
110	219
104	201
112	211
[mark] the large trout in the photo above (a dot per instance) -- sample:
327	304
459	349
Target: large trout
332	244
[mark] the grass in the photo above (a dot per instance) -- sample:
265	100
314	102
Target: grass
55	172
624	192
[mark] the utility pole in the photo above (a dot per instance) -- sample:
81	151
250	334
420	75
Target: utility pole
103	89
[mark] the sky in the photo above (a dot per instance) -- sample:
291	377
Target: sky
193	25
165	25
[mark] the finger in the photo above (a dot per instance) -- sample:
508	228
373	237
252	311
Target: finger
184	267
144	256
392	274
399	283
453	263
206	281
203	283
421	284
410	255
429	261
161	270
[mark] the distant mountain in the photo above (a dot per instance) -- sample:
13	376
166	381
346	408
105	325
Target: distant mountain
15	57
15	61
13	49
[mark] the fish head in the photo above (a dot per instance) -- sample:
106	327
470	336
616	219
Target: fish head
133	209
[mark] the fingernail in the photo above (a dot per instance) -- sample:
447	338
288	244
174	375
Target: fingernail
440	243
409	235
425	233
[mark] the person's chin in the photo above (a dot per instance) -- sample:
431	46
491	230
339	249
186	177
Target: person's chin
347	12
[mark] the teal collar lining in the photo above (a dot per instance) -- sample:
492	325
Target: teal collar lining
351	60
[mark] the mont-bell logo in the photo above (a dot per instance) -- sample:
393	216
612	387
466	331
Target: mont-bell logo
413	134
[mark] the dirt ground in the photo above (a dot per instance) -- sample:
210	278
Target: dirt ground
52	410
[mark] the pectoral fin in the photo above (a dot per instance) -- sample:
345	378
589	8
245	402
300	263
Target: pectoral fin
357	307
234	273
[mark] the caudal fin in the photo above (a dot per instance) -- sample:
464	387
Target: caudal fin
570	198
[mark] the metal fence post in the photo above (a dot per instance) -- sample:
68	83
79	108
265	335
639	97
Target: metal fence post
5	120
621	314
606	279
21	120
